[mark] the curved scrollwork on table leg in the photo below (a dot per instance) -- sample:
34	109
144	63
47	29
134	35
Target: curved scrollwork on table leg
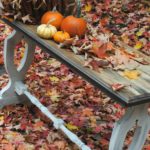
7	94
134	114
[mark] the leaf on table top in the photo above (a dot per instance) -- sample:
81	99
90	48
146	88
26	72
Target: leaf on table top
117	86
131	74
99	49
71	126
26	19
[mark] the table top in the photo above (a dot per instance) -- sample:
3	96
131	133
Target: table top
137	91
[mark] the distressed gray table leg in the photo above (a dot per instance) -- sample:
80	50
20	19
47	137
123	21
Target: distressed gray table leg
134	114
8	95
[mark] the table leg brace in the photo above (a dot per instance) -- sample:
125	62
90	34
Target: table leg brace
21	89
8	95
134	114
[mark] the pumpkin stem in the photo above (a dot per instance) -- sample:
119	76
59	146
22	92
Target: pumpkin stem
78	8
51	20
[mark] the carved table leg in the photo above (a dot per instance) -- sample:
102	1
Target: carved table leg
8	95
138	114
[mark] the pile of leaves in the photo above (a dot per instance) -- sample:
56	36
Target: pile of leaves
86	110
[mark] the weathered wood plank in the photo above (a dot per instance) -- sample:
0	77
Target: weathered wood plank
108	77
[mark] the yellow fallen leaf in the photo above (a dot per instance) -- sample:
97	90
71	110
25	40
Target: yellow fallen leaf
140	32
1	118
71	126
54	95
138	45
88	7
54	79
131	74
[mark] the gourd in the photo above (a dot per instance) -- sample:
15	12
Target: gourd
74	25
56	16
61	36
46	31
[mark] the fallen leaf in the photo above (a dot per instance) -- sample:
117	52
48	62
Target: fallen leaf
1	61
88	7
60	144
54	79
117	86
87	112
138	45
131	74
71	126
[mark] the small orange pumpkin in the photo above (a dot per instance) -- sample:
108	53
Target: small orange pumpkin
55	16
61	36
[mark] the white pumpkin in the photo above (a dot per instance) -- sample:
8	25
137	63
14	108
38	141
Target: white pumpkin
46	31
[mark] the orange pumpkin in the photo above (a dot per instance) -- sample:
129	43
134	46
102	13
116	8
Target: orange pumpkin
61	36
74	26
55	16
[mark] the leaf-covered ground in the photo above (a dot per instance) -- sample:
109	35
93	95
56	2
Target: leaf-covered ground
86	110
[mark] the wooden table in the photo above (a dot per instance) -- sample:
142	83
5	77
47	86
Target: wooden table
135	96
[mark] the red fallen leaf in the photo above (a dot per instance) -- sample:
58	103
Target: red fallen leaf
117	86
103	22
95	18
97	129
132	26
107	4
117	106
79	122
119	21
23	126
99	49
94	65
64	70
147	147
76	83
104	142
1	61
